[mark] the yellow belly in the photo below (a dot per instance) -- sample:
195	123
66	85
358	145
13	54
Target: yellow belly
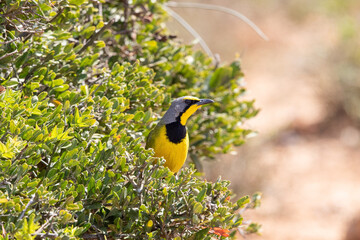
174	154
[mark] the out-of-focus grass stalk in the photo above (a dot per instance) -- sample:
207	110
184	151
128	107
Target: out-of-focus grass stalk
191	30
216	8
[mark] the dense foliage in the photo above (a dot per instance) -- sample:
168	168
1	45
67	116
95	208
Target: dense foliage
82	83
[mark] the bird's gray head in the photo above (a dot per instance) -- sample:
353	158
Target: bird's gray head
182	108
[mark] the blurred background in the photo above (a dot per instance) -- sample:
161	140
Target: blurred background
305	79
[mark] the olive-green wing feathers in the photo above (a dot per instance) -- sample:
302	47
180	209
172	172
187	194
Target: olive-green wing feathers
150	141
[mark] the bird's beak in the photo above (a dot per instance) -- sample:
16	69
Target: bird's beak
204	101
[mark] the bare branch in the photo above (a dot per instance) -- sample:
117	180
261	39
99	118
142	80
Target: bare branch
46	235
8	54
102	235
32	201
22	152
45	225
21	30
10	41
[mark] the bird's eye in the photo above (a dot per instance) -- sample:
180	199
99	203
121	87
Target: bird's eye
187	101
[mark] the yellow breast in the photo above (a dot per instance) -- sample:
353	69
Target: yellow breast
174	154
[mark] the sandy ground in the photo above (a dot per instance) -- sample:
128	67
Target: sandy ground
306	165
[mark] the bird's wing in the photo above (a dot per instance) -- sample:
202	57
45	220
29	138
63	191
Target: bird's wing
150	141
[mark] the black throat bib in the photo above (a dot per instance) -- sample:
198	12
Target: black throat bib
175	132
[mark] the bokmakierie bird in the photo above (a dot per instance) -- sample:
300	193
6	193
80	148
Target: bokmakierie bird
169	138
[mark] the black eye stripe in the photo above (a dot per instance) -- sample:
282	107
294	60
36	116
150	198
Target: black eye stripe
190	102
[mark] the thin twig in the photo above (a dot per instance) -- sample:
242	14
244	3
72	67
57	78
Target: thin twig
21	21
61	10
4	184
126	14
15	71
3	230
47	223
4	136
10	41
21	30
46	235
32	71
98	235
32	200
33	12
95	36
100	10
221	9
8	54
22	152
97	88
153	64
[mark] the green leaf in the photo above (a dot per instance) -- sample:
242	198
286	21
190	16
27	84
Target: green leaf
54	132
221	76
72	206
45	7
100	44
88	31
42	96
3	148
243	201
21	59
100	25
147	116
256	199
200	197
12	127
253	228
91	185
57	82
138	116
198	208
73	124
61	88
165	192
77	2
201	234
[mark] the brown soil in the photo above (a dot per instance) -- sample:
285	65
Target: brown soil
305	159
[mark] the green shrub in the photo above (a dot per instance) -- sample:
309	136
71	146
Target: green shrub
85	81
